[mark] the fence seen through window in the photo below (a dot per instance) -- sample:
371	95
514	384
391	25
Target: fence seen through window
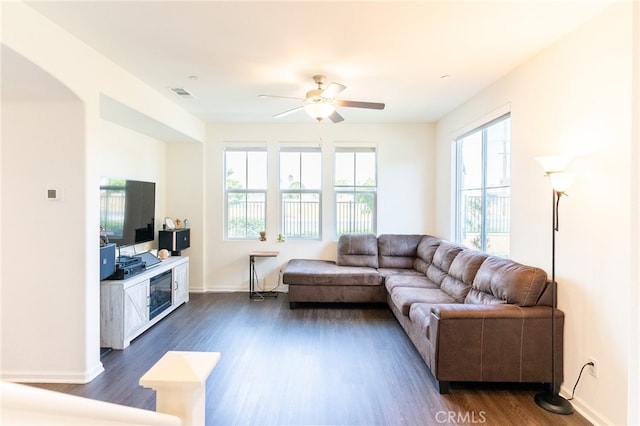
245	192
300	192
355	188
483	176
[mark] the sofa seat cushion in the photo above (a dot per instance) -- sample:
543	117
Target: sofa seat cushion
404	297
326	272
388	272
408	280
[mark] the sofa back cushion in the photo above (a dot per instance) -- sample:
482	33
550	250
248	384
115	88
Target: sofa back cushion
442	260
425	251
397	250
505	281
462	272
358	250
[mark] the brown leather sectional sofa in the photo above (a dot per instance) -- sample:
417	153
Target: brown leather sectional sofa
471	316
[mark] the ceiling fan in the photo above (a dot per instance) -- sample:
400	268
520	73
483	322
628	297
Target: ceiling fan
320	103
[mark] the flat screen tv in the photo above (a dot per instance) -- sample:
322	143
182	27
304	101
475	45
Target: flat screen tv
127	210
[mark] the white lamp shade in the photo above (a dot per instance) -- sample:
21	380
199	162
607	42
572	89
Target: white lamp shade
561	181
554	163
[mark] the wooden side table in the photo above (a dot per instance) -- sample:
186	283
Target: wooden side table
253	275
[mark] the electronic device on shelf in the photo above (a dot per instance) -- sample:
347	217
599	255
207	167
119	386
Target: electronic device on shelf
127	260
149	260
127	210
127	217
126	267
107	260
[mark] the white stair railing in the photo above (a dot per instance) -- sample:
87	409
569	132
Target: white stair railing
179	379
28	405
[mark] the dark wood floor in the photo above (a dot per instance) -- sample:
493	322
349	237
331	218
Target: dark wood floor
317	365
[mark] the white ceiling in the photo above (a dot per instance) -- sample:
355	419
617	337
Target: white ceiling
392	52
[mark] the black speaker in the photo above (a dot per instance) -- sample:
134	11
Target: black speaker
175	240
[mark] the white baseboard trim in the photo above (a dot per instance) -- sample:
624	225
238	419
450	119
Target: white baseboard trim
588	413
231	289
71	377
585	410
219	290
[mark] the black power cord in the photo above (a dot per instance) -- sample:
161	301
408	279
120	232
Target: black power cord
579	375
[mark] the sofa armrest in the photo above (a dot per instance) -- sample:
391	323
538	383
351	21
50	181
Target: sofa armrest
450	311
493	342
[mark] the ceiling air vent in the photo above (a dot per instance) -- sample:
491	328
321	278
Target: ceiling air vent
182	93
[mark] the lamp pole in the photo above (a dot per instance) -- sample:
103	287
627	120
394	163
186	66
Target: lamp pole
551	400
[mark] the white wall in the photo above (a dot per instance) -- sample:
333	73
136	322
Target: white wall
634	297
125	153
573	98
405	192
185	171
49	67
43	272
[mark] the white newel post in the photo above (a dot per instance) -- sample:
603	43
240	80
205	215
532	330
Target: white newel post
179	379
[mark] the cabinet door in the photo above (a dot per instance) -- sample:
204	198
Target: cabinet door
136	308
181	283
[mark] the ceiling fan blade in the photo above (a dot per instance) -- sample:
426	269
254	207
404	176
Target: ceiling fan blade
358	104
280	97
335	117
332	90
291	111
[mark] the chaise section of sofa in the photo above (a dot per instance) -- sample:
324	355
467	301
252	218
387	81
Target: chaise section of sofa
353	278
312	280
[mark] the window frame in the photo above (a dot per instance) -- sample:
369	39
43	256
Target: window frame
484	188
244	191
356	189
300	191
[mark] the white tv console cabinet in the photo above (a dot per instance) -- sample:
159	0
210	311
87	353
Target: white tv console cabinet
124	304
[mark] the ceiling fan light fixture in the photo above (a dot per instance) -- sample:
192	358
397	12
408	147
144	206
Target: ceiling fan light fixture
321	103
319	108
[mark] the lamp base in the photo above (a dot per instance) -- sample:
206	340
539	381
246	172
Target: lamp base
554	403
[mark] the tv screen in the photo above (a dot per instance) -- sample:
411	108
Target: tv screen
127	210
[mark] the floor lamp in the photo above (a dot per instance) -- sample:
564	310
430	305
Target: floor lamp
554	168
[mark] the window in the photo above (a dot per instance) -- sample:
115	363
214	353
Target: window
483	178
355	190
300	192
245	192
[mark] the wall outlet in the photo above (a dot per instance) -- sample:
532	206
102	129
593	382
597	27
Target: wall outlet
593	369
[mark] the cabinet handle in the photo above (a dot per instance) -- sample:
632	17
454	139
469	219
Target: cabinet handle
176	287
